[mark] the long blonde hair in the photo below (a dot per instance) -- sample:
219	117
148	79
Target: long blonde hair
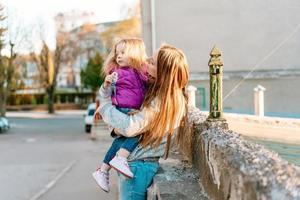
169	95
135	51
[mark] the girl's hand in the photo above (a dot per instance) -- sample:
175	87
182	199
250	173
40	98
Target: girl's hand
109	79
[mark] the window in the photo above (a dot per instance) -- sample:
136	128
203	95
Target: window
91	112
202	98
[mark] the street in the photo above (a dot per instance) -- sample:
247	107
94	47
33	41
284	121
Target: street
51	158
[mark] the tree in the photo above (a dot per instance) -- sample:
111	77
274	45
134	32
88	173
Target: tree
15	36
3	66
7	70
2	30
50	62
91	76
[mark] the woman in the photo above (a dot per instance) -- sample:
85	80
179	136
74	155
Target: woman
164	110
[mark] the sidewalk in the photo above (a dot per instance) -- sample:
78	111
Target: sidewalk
45	114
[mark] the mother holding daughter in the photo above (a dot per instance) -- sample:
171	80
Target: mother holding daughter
162	118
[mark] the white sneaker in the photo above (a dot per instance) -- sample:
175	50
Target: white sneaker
102	179
120	164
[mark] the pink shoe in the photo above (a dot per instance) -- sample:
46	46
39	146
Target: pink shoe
102	179
120	164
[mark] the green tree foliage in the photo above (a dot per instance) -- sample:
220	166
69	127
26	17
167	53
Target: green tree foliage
91	76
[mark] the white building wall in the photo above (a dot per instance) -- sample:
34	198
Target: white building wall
280	99
245	31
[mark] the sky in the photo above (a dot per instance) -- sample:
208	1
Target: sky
31	12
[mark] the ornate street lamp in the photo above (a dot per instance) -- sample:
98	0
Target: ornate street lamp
215	72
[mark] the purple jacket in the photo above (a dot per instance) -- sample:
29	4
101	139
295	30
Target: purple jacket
130	88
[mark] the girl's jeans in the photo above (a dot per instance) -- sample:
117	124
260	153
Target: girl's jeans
121	142
136	188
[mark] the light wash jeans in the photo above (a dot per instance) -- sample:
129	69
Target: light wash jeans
136	188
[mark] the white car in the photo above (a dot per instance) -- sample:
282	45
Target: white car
4	125
89	117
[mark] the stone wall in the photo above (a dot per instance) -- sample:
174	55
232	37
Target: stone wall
226	166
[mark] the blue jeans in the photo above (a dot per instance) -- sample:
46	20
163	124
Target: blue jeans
121	142
136	188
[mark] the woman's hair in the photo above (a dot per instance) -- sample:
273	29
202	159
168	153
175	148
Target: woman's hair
168	92
135	51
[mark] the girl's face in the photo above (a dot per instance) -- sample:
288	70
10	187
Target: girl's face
121	58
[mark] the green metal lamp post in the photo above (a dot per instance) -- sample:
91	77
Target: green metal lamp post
215	72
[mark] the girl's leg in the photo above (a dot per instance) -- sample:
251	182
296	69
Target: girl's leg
115	146
128	146
105	167
119	162
136	188
102	176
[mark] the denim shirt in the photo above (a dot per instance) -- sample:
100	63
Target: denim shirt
131	125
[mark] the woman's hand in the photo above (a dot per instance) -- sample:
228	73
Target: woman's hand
97	116
133	111
117	132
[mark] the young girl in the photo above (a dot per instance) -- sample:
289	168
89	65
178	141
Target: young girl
127	74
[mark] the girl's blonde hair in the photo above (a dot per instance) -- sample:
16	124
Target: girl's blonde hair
134	49
168	91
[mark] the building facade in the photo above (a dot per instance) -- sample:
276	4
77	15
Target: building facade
258	36
88	43
68	89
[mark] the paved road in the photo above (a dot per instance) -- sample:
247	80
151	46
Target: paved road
51	158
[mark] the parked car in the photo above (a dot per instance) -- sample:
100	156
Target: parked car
4	125
89	117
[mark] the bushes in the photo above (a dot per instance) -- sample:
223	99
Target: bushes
39	99
23	99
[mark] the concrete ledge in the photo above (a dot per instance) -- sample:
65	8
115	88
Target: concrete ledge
232	168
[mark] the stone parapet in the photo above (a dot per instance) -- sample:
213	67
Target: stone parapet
225	166
231	167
